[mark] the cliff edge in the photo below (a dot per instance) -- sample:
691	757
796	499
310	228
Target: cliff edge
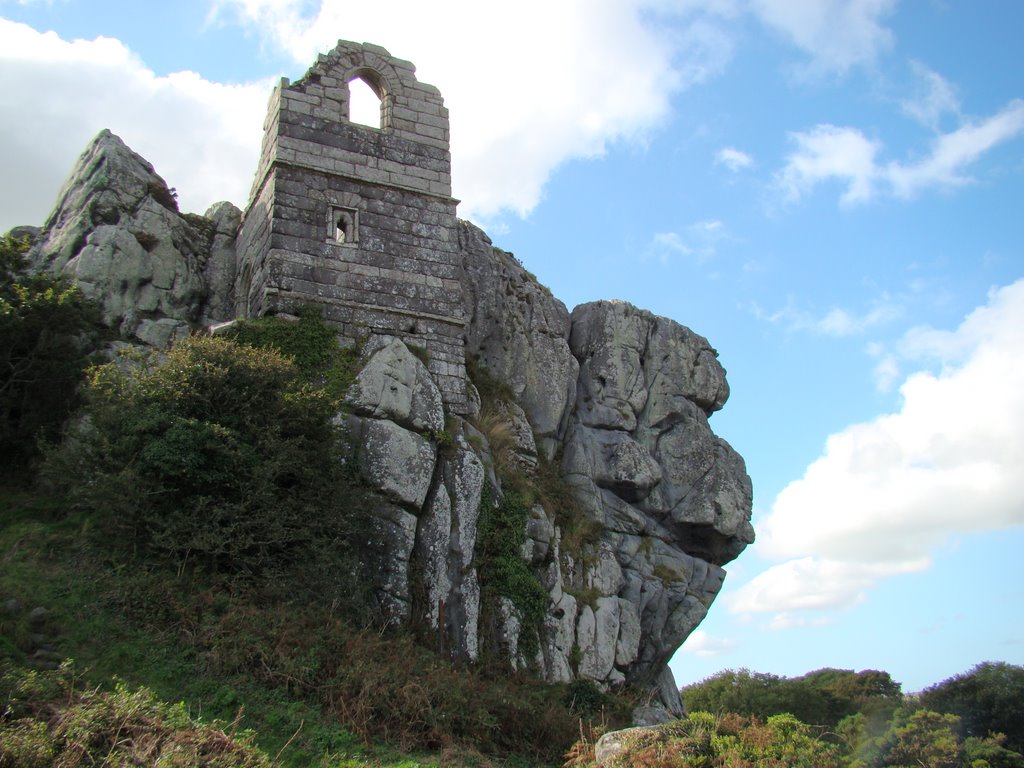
591	426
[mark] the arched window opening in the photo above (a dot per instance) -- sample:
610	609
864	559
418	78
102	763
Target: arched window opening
345	222
363	103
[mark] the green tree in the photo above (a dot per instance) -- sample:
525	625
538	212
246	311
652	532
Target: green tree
987	699
47	329
869	692
990	752
823	697
749	694
928	739
217	454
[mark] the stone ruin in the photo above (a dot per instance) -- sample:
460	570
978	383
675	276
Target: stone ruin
360	221
357	219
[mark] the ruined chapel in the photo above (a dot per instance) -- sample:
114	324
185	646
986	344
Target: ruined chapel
359	219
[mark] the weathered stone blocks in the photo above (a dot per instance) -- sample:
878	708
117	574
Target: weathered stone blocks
315	163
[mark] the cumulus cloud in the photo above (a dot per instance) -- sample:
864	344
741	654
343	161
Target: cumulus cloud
887	492
561	80
606	73
55	95
700	643
836	34
733	159
828	153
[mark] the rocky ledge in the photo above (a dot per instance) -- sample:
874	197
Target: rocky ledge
610	401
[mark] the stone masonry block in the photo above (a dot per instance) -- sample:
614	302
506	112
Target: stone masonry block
402	275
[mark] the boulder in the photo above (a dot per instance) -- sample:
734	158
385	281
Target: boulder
387	557
220	268
395	461
395	385
117	232
672	500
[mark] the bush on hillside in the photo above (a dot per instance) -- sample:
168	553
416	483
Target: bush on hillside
310	343
216	455
47	329
823	697
703	740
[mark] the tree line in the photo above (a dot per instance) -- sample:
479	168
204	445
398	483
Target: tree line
865	720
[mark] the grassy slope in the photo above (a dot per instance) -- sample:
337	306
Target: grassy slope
114	624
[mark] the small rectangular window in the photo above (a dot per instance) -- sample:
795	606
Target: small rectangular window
343	226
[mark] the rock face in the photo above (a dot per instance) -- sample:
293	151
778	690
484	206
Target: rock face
624	397
117	232
519	333
610	404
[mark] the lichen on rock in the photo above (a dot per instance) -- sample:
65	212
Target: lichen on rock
610	401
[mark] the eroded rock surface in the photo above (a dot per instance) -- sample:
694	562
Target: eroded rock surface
612	399
671	499
519	333
117	232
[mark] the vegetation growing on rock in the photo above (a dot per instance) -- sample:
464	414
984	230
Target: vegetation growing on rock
217	455
46	326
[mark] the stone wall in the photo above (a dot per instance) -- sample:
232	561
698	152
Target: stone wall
359	219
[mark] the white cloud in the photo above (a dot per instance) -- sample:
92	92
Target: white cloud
791	621
826	153
952	152
700	643
836	34
664	243
733	159
840	322
836	322
55	95
510	122
887	373
560	81
830	153
811	585
935	97
886	493
699	242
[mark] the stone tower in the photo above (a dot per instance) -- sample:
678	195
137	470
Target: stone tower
357	219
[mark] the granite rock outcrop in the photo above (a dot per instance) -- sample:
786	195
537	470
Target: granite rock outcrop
117	232
609	399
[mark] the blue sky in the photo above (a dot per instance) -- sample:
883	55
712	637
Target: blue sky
830	191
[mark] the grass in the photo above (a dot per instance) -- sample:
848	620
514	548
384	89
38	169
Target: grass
313	690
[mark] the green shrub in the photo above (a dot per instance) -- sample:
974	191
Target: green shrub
585	698
47	329
218	456
703	740
310	343
501	534
823	697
